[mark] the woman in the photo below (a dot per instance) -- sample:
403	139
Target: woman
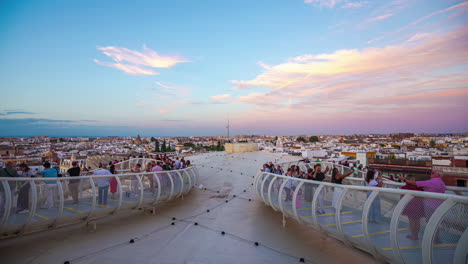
337	178
113	182
23	195
279	170
374	213
414	210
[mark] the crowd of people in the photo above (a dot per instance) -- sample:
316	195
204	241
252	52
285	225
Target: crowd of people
416	209
21	189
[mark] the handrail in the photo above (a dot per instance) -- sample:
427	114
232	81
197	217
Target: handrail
455	189
151	188
352	217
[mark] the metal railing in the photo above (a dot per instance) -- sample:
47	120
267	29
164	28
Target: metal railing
380	221
358	177
127	192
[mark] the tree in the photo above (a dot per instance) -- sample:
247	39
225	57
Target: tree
163	148
153	139
432	143
301	139
313	139
156	145
218	147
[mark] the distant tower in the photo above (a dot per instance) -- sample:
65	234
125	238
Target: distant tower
228	128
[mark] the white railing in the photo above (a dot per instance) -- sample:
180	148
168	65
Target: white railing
376	220
131	191
358	177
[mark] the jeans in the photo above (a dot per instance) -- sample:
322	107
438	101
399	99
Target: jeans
23	197
73	187
103	191
51	192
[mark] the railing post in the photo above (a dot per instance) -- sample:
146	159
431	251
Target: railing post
142	191
280	199
269	192
317	191
7	202
181	184
431	229
33	208
365	226
394	227
93	205
172	185
61	198
156	179
338	215
294	203
119	188
461	252
262	187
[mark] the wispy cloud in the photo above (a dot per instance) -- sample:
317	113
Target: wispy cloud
172	120
345	80
221	97
355	4
380	18
418	36
324	3
164	111
136	62
16	113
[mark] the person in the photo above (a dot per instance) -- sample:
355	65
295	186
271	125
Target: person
279	170
103	184
289	186
266	168
308	186
23	194
371	181
436	185
9	171
319	176
113	182
135	184
177	164
73	185
337	178
414	210
51	186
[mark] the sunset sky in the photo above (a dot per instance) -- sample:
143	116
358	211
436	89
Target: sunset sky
281	67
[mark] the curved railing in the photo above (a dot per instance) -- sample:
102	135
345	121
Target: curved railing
127	192
376	220
358	177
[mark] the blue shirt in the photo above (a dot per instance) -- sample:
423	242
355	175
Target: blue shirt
50	173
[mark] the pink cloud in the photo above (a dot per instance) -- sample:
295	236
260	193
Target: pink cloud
164	111
221	97
352	80
135	62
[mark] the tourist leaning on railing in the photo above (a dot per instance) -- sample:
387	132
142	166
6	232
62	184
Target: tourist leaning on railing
414	210
337	178
23	189
74	184
51	186
373	181
103	185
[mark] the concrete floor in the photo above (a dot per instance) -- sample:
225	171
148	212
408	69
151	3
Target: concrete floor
157	241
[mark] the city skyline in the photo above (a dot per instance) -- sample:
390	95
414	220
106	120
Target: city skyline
276	68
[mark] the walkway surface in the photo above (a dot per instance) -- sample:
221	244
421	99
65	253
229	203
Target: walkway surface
196	235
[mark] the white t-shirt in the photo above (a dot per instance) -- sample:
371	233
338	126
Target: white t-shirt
372	183
102	182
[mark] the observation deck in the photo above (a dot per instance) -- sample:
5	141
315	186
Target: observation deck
226	220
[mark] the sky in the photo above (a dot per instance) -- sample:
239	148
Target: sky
277	67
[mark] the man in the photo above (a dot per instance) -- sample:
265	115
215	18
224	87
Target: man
74	184
177	164
51	186
319	176
103	184
435	184
9	171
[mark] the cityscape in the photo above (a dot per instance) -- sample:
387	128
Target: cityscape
238	132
